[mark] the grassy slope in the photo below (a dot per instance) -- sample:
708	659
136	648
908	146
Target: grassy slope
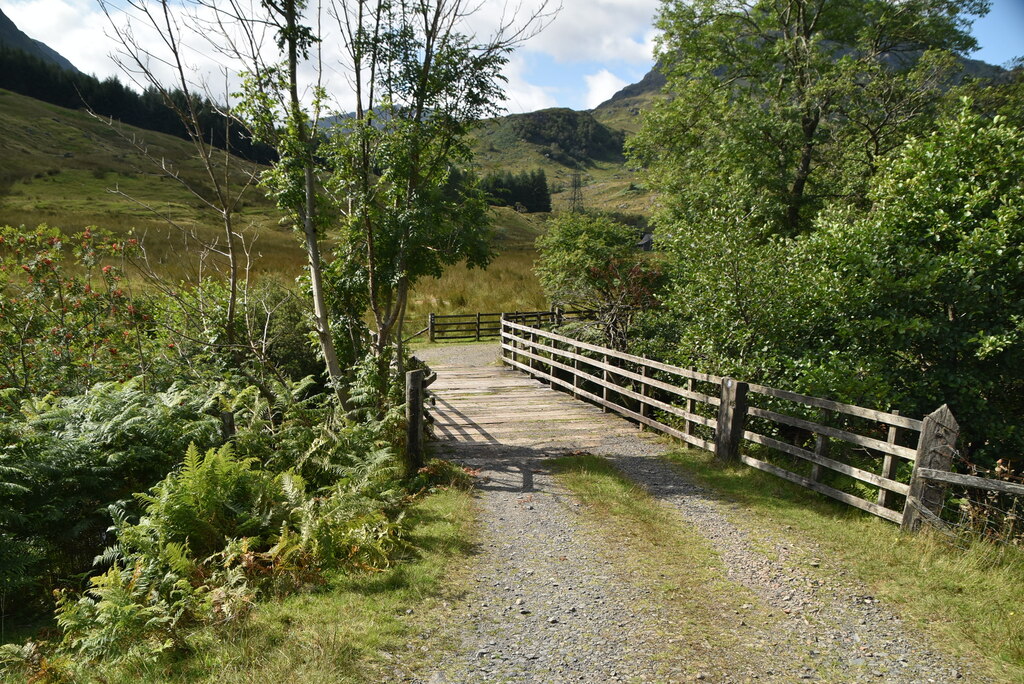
61	166
606	184
66	168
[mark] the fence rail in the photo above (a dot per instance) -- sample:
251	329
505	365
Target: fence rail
888	460
479	326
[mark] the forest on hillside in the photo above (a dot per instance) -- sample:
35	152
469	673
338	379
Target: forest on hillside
28	75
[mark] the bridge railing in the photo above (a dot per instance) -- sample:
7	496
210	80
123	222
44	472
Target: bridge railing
480	326
877	461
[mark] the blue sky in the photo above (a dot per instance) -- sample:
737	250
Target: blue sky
1001	32
588	52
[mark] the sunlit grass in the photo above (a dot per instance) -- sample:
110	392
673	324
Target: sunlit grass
969	599
681	571
508	284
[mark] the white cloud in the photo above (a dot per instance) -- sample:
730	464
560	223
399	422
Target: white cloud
521	95
586	30
601	86
590	33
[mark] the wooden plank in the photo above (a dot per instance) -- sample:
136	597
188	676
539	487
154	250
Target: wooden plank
618	389
832	464
835	433
683	372
854	501
651	382
972	481
849	409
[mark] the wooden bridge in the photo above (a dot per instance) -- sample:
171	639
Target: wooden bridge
482	403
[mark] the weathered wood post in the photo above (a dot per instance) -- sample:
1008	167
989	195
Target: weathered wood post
576	372
732	414
820	448
533	350
477	326
688	424
430	327
414	422
605	375
645	409
935	451
889	463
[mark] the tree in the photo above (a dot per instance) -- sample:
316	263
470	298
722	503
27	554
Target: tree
933	277
592	262
789	106
527	188
382	174
917	302
420	84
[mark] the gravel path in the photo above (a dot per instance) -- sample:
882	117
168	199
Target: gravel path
551	603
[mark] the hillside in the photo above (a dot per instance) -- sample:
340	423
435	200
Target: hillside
13	37
562	142
67	168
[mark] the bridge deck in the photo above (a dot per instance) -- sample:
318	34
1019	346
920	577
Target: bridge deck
499	406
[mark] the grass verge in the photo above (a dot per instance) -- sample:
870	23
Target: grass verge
365	628
713	619
971	600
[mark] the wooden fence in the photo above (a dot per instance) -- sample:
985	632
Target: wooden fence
895	464
478	326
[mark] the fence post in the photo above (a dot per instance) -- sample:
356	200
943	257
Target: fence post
414	422
477	326
533	350
889	463
820	447
644	408
934	450
604	388
430	327
576	372
687	424
732	413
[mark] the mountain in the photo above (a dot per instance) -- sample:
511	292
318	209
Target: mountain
622	110
563	142
12	37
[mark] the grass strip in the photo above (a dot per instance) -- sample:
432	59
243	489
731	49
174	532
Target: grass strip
715	623
970	599
368	627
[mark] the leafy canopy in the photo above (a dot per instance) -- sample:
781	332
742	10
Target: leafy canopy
789	106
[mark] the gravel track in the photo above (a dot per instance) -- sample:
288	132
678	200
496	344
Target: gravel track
550	602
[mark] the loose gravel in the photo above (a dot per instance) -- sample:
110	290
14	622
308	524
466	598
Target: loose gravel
550	602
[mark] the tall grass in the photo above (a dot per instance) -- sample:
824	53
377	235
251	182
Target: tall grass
508	284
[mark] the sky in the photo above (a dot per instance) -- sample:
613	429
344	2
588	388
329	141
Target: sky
588	51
